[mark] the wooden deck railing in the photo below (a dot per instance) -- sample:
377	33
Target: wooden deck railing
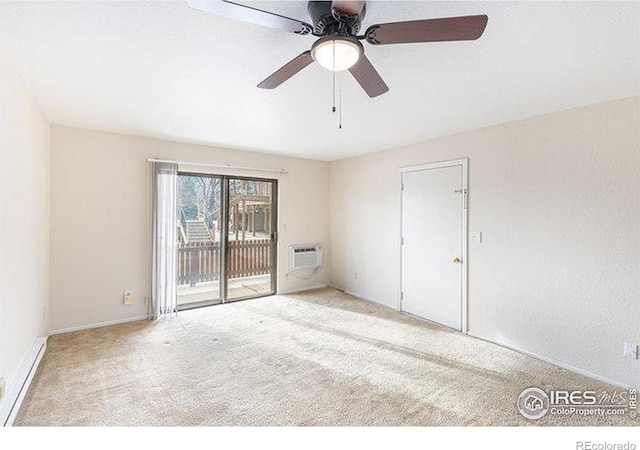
200	261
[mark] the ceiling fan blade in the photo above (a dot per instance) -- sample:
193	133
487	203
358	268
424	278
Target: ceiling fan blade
253	15
466	28
348	8
287	71
368	77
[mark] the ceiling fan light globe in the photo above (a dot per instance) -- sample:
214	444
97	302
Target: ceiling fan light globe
337	54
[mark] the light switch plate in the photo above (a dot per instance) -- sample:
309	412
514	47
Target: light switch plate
475	237
630	350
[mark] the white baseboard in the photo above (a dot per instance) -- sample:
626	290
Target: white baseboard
555	362
98	325
364	297
20	385
307	288
569	367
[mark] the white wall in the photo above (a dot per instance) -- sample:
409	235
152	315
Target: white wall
100	218
557	198
24	222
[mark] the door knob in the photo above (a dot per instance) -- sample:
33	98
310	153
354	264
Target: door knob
457	260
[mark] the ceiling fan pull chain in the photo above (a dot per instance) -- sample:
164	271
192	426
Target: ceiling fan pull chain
340	104
333	109
333	92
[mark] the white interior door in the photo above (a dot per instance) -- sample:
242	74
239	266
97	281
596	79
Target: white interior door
432	244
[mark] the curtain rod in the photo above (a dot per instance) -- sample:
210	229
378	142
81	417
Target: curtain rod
219	166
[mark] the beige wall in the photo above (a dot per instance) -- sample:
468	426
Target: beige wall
100	218
557	198
24	223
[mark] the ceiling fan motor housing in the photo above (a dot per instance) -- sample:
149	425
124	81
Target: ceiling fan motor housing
326	21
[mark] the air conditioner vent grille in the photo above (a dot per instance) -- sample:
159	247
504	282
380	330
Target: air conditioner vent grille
305	256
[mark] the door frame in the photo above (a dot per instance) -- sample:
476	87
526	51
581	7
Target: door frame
464	163
224	235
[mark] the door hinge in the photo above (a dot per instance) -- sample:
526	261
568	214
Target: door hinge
402	187
401	241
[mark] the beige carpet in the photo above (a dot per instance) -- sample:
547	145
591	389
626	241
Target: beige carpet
318	358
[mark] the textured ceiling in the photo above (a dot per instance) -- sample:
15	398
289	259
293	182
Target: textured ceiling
164	70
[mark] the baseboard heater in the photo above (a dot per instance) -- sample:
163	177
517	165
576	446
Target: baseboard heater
15	394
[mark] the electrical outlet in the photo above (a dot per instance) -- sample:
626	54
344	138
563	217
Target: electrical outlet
2	387
630	350
128	298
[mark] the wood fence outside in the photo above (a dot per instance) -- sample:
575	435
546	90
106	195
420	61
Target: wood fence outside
200	261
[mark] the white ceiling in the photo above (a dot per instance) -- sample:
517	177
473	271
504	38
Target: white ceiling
164	70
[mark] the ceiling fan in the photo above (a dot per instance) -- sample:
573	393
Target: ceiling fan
338	48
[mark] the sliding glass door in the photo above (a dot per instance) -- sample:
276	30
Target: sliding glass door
226	239
251	235
199	214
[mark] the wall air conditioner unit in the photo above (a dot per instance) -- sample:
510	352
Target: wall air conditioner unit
305	256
